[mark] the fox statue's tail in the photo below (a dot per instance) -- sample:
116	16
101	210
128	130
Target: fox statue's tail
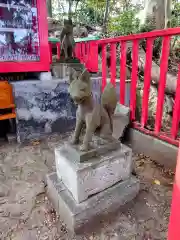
109	100
109	97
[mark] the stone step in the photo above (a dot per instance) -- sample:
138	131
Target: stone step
89	212
83	179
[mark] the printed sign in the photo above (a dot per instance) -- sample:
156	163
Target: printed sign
19	38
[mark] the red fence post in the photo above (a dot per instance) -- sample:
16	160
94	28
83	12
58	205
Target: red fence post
93	56
50	52
147	81
58	50
83	52
123	72
88	56
162	83
78	51
134	77
174	223
113	64
176	110
103	66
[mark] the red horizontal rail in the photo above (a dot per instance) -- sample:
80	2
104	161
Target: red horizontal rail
153	34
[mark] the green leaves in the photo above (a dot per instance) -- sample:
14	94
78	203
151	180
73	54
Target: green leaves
124	24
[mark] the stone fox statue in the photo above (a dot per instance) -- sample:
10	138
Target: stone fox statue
94	115
67	39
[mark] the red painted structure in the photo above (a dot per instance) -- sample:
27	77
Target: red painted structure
35	38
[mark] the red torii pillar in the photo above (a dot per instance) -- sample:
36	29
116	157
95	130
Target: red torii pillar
174	223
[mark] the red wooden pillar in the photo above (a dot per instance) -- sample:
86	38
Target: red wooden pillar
174	223
92	60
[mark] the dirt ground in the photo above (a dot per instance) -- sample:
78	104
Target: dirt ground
26	213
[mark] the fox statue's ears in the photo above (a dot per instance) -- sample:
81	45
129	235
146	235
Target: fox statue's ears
75	75
85	76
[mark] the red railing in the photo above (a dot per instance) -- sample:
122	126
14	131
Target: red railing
149	37
86	52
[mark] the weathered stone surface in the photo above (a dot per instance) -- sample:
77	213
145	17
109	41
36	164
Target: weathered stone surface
78	215
44	107
16	210
26	235
59	70
63	70
73	153
95	175
45	76
4	190
11	138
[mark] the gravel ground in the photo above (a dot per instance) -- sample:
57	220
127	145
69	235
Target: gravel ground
26	213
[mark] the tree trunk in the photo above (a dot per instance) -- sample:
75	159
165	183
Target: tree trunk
70	10
49	7
77	3
171	80
106	16
168	8
160	11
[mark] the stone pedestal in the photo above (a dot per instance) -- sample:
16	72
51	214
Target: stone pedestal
87	185
63	70
101	171
90	212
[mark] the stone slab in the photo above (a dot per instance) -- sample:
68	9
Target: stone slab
76	216
98	173
98	148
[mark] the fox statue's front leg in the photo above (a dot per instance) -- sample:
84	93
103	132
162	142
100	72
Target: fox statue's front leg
90	129
78	128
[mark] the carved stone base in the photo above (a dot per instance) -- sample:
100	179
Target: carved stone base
91	211
84	179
